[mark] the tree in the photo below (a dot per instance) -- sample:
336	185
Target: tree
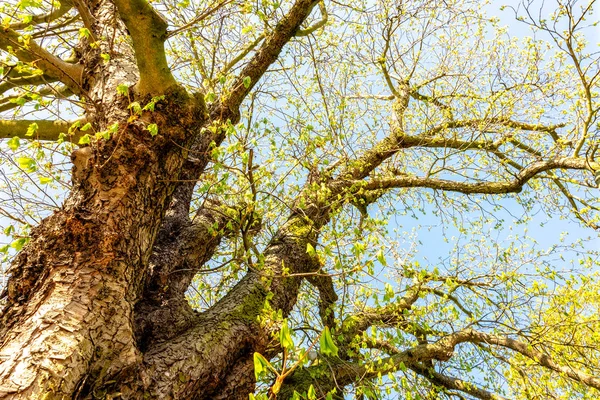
240	175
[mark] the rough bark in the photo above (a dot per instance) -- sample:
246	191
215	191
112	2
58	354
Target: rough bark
90	296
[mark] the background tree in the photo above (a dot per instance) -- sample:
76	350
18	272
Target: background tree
236	216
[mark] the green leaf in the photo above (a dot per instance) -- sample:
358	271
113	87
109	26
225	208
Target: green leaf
105	57
285	338
389	292
27	164
123	89
14	143
312	394
247	81
19	243
153	129
310	250
328	347
137	108
21	100
23	4
113	128
8	230
84	32
4	249
45	180
32	129
209	97
261	365
85	139
381	258
86	127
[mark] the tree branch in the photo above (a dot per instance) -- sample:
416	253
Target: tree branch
513	186
28	51
322	22
65	7
450	382
528	351
264	57
47	130
148	31
486	122
9	102
33	80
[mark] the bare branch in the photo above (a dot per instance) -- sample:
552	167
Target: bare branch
10	102
86	17
34	80
487	122
65	7
199	18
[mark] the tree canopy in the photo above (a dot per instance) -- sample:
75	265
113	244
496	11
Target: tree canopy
235	199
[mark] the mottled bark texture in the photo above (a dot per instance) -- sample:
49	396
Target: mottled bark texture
95	304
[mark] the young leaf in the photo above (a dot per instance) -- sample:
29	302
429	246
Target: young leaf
85	139
123	89
84	32
32	129
136	107
153	129
247	81
328	347
27	164
312	394
260	365
14	143
381	258
19	243
209	97
310	250
285	338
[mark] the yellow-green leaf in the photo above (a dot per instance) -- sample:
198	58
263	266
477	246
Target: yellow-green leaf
27	164
328	347
14	143
285	338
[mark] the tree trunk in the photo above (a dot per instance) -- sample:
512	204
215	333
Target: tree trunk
95	306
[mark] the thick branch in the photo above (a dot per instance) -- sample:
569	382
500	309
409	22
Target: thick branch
28	51
179	255
390	315
528	351
327	297
450	382
46	130
487	122
513	186
149	32
265	56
